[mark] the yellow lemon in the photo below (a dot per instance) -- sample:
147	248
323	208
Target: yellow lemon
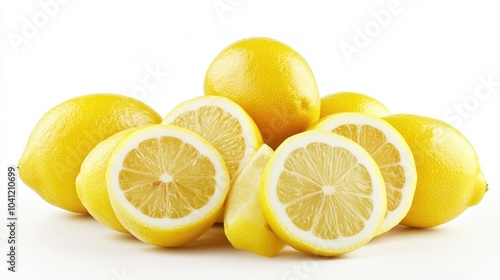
271	81
449	176
391	153
65	135
352	102
244	223
91	181
166	184
323	194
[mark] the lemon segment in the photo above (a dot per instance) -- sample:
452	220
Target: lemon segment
323	194
244	223
391	153
166	184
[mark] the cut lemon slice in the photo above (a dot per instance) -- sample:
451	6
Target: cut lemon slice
389	149
244	223
223	123
323	194
166	184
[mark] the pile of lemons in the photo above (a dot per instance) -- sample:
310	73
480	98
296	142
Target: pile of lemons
260	152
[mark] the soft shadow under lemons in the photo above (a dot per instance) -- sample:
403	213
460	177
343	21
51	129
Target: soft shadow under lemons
404	232
212	240
78	217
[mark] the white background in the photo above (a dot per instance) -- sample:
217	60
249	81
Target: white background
428	58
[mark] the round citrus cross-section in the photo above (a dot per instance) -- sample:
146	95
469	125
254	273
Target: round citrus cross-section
221	122
391	153
323	194
166	184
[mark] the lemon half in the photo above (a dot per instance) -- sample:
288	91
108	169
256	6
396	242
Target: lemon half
391	152
166	184
223	123
323	194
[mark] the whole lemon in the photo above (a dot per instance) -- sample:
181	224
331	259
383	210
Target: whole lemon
91	181
343	102
449	178
65	135
271	81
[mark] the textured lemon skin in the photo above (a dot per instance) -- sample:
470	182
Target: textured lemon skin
65	135
352	102
271	81
247	235
91	181
173	237
449	175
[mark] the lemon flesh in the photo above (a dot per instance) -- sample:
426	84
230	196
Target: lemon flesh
391	153
323	194
224	124
221	122
166	185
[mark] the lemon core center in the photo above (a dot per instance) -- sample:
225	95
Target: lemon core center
328	190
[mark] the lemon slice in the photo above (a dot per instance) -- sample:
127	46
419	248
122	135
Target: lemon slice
244	223
166	184
391	152
323	194
223	123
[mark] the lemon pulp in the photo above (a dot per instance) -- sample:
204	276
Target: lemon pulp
220	128
163	184
385	155
323	194
330	200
